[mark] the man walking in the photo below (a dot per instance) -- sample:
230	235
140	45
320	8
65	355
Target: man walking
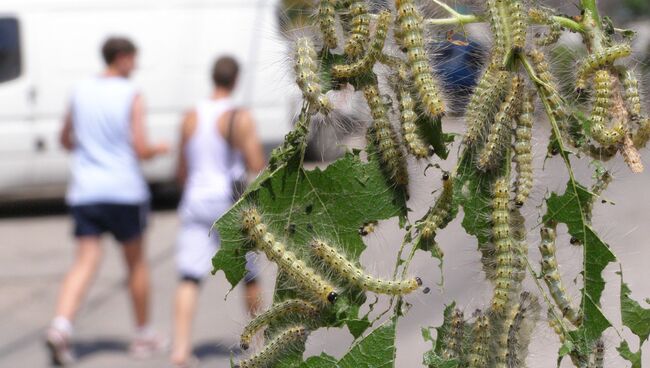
217	141
105	131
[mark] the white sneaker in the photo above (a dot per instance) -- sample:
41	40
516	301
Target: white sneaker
143	347
58	343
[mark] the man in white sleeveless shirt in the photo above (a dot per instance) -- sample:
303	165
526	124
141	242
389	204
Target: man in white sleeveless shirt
216	140
105	131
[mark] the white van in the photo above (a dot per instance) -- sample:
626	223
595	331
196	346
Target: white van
46	46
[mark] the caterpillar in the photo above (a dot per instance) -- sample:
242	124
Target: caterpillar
438	214
520	243
631	93
498	28
286	260
488	91
357	277
523	156
359	30
598	355
599	60
555	324
327	22
453	339
306	68
502	326
415	145
479	342
543	16
411	30
521	328
368	228
600	111
384	137
500	132
551	276
267	357
366	63
550	86
642	135
286	308
503	247
519	25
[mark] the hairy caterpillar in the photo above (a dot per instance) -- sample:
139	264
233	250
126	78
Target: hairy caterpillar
550	87
520	243
552	278
543	16
366	63
500	132
498	28
359	30
410	30
327	22
415	145
519	25
504	252
306	68
438	214
271	352
521	328
642	135
285	259
453	340
631	93
598	355
555	324
601	111
523	152
599	60
279	310
487	92
479	342
357	276
385	139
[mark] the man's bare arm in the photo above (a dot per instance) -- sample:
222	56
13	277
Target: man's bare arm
66	138
143	149
187	128
247	141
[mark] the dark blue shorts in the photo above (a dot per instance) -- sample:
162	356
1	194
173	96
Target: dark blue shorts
124	221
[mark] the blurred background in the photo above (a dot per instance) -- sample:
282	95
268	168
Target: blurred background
46	46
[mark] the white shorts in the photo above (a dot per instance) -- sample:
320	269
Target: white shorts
197	244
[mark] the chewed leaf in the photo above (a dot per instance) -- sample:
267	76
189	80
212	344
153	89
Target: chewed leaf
637	319
321	361
377	350
433	358
571	208
627	354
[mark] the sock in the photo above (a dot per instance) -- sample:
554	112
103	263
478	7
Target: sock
144	331
63	325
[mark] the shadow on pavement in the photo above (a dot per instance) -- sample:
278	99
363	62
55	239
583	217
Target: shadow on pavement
210	348
85	348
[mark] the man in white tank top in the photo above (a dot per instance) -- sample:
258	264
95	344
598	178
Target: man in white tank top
104	129
217	140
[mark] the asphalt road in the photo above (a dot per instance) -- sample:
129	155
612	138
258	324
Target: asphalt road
36	250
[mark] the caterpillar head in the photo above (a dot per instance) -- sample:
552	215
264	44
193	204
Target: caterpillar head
332	296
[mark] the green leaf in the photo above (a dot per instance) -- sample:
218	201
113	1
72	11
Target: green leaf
634	316
433	358
358	326
570	208
626	353
377	350
432	133
321	361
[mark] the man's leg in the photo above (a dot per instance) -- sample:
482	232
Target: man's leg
184	308
73	290
79	277
138	279
253	297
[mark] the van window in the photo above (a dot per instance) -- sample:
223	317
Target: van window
10	63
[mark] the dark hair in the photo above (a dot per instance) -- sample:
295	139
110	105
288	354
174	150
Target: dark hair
224	72
116	46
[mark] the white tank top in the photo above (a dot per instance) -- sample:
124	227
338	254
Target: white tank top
211	164
105	168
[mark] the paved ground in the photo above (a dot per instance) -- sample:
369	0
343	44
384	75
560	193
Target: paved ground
35	252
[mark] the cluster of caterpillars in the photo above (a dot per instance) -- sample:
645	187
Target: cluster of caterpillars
316	291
